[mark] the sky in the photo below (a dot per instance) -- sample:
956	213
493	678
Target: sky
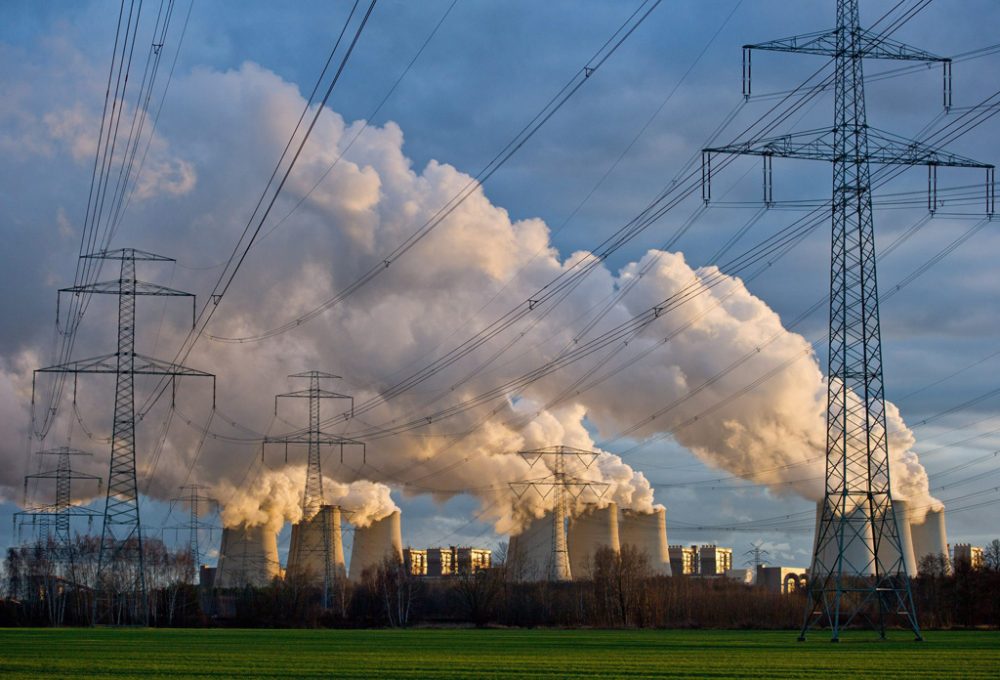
237	87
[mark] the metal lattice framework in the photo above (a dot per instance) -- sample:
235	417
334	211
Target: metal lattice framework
197	503
563	486
121	557
857	571
313	499
59	514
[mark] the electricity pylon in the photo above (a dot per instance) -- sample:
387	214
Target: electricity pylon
196	502
121	552
562	485
756	556
857	564
58	515
313	501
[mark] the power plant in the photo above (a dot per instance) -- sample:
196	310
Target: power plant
374	543
248	557
311	541
535	553
593	529
647	531
930	537
917	541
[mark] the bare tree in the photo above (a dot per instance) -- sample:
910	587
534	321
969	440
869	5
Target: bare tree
397	587
991	555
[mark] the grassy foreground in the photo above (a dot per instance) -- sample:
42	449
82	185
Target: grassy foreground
434	653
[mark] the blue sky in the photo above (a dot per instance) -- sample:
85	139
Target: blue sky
489	68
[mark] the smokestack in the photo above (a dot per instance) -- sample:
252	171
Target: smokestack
372	544
248	556
307	553
531	553
647	531
888	554
930	537
858	555
593	529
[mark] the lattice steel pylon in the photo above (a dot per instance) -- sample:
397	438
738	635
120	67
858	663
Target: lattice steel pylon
857	569
196	502
561	484
59	514
121	574
313	499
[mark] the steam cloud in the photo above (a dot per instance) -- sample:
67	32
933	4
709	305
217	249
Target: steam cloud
477	264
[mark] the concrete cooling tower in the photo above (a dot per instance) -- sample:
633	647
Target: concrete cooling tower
594	529
930	537
374	543
531	555
888	555
858	555
307	553
248	556
647	531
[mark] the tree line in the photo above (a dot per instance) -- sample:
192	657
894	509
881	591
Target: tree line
621	592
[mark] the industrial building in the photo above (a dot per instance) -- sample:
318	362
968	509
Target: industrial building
684	559
415	561
714	560
444	562
969	556
784	580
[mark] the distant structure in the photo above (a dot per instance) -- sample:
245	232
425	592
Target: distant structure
714	560
121	556
373	544
968	556
53	521
317	550
784	580
592	530
446	562
196	502
415	561
248	557
930	537
560	484
647	531
684	560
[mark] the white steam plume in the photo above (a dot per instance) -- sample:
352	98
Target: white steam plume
477	264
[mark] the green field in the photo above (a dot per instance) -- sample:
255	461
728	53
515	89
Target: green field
433	653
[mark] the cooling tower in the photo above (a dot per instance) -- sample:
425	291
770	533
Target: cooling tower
374	543
307	553
888	555
647	531
594	529
248	556
930	538
531	556
858	553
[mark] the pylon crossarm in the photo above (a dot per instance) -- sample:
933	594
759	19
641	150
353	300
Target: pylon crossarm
108	363
128	254
869	44
114	288
330	440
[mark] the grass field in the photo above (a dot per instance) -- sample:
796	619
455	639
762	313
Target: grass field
143	653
